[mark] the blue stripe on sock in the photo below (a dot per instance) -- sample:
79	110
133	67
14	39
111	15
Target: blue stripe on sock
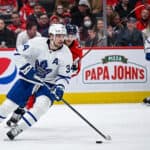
34	118
29	124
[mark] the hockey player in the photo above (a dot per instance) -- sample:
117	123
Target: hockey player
41	60
147	56
73	44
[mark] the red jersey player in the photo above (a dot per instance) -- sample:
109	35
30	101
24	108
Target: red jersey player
72	42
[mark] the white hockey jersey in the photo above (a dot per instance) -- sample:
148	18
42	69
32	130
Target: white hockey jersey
147	45
52	66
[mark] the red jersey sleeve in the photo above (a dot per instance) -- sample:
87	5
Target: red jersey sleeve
76	51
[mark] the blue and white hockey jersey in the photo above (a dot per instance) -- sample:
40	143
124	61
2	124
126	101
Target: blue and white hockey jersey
147	49
52	66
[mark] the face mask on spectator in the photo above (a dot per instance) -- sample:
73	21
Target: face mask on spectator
87	23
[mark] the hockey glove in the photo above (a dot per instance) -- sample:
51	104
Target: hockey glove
148	56
75	64
58	92
29	74
74	67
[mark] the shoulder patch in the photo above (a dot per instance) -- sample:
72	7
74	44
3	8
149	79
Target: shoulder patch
25	46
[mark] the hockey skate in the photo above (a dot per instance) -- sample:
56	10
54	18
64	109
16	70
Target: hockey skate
146	100
16	116
14	132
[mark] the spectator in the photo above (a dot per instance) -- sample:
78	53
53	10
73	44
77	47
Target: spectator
54	19
20	4
49	5
123	8
140	5
93	38
117	23
65	3
146	31
87	24
80	12
100	28
111	36
7	7
96	7
7	37
130	36
110	14
16	26
111	33
29	33
74	6
43	23
36	13
143	21
59	12
112	3
67	18
28	9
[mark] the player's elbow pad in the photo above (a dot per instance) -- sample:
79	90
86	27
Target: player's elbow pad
147	56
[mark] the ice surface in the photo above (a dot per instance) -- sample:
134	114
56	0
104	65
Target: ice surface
62	129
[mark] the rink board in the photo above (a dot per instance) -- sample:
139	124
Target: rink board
100	98
108	75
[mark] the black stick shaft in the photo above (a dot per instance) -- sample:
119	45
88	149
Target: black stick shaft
73	109
91	125
90	49
84	55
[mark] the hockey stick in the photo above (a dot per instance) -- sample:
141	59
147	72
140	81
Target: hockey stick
106	137
90	49
78	60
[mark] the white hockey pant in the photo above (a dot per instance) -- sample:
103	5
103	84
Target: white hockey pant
6	108
41	106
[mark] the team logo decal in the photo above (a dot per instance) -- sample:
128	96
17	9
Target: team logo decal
41	68
8	71
114	69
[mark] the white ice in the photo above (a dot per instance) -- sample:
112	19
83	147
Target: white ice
62	129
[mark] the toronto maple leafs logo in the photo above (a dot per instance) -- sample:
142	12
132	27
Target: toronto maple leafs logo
41	68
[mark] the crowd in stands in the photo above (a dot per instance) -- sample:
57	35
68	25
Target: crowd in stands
128	21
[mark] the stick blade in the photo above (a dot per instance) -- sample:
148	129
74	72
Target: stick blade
108	138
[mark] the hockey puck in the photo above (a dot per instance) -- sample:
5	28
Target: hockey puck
99	142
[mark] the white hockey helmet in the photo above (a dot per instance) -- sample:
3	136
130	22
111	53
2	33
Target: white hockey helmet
57	29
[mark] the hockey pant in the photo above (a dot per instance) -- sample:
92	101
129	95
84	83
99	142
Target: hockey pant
18	96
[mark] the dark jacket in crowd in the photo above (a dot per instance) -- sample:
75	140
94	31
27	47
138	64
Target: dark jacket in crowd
92	42
128	38
8	37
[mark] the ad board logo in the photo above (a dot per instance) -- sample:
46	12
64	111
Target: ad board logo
114	69
8	71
